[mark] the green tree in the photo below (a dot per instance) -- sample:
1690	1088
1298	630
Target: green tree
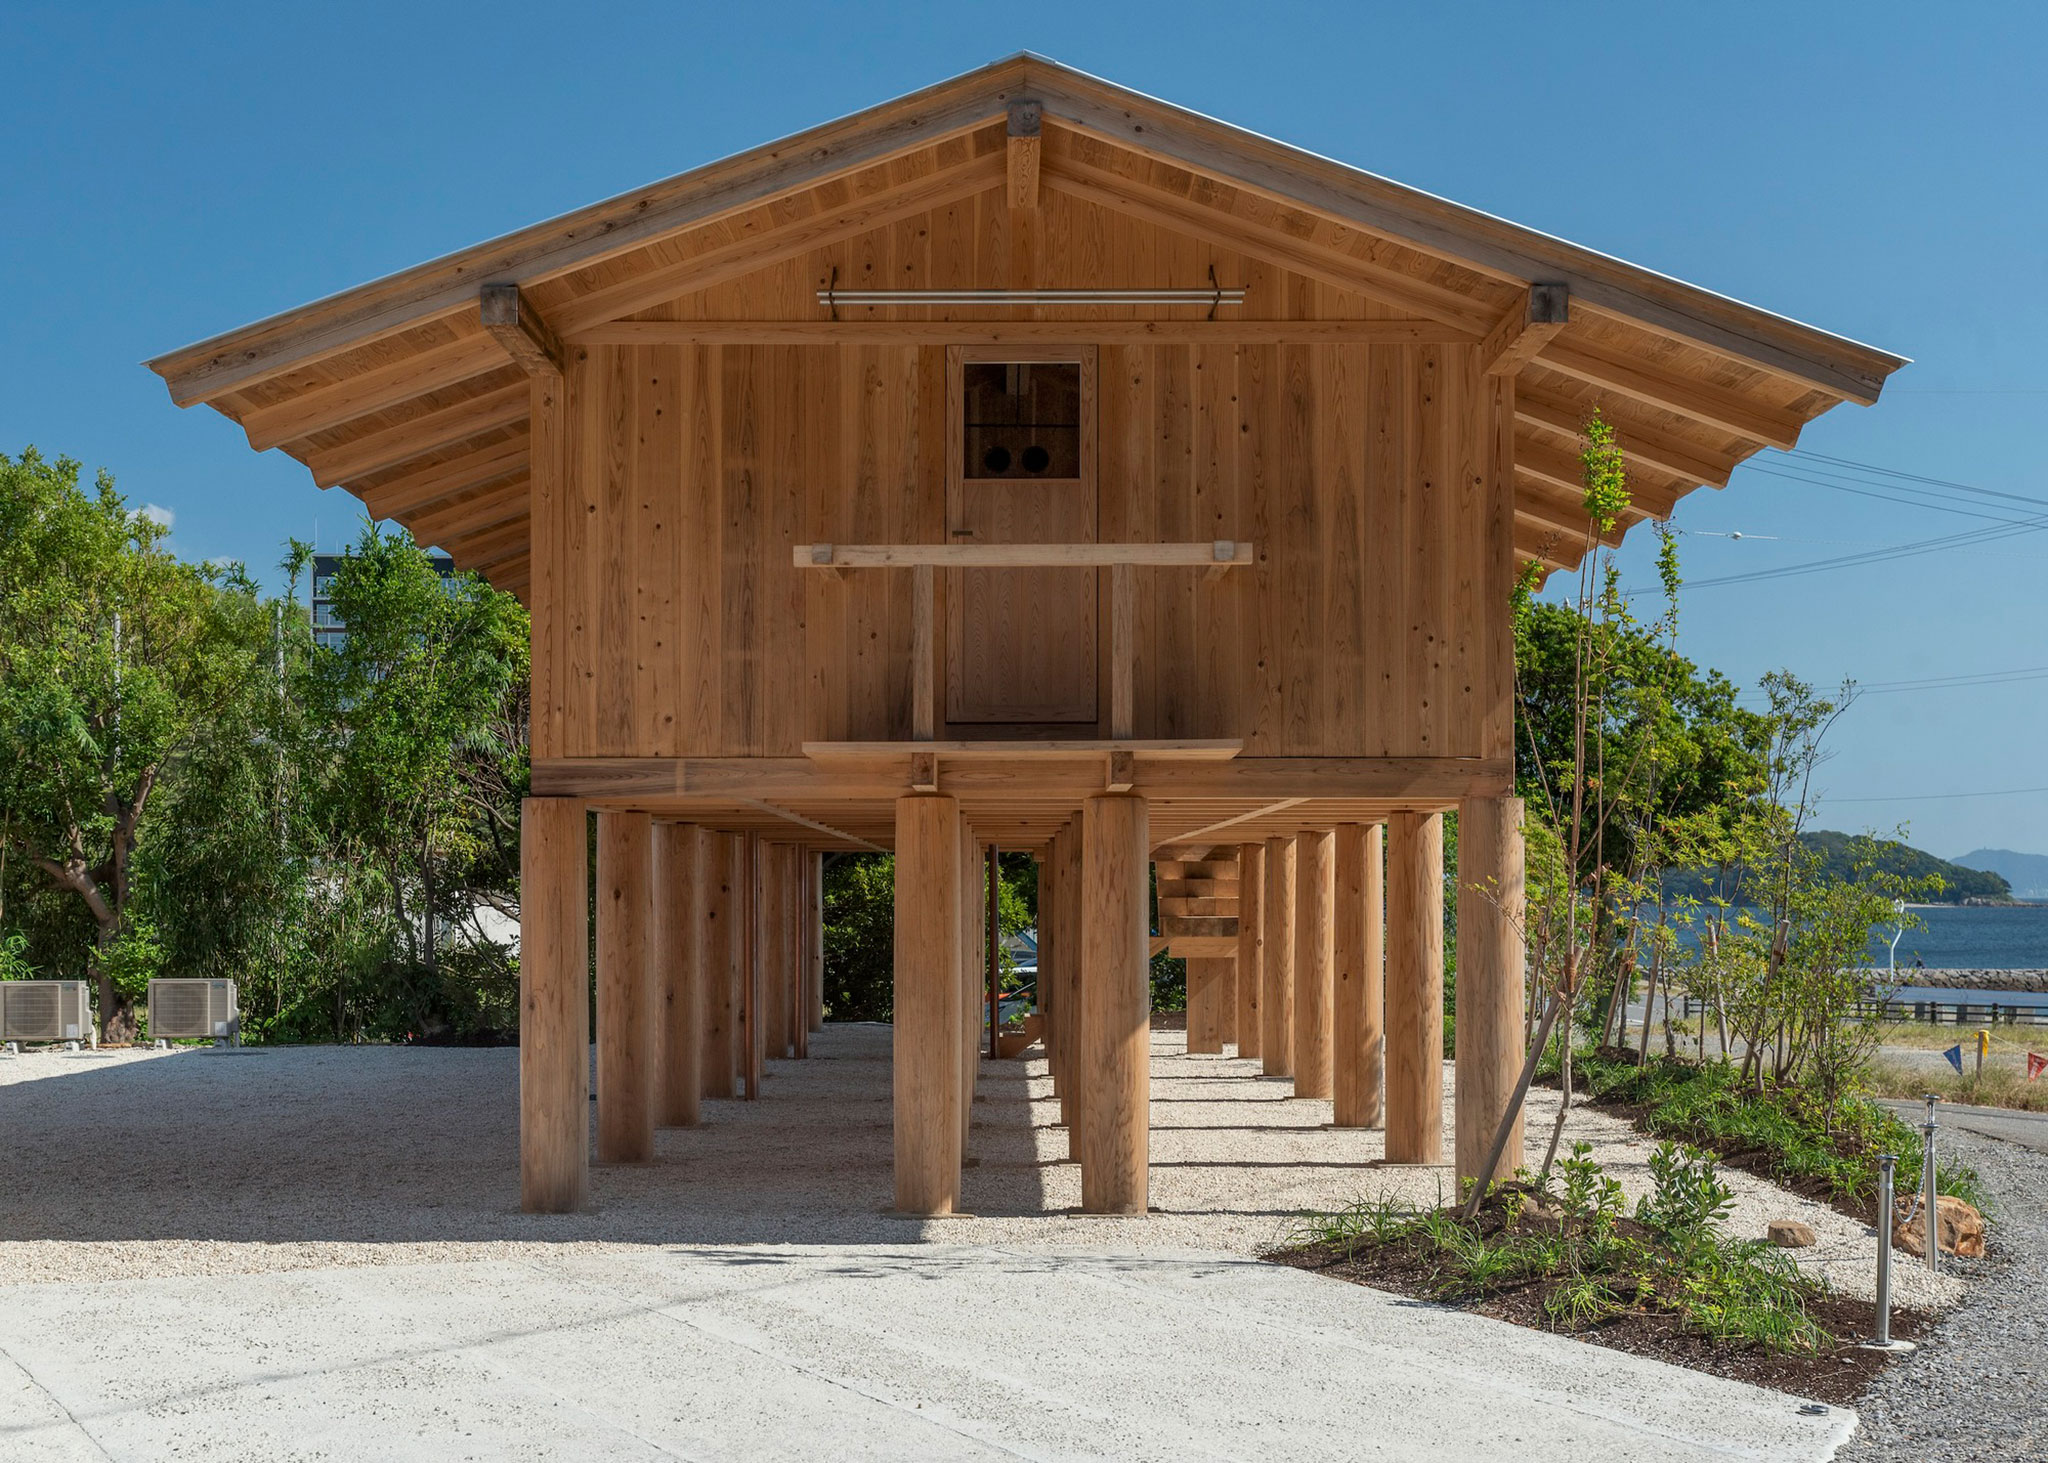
420	726
115	658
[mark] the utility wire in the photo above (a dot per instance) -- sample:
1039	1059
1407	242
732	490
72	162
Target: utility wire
1935	797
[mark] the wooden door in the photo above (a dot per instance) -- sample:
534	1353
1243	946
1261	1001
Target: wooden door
1021	643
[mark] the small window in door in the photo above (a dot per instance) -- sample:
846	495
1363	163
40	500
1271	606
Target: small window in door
1022	419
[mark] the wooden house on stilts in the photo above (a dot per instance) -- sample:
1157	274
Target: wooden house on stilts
1023	463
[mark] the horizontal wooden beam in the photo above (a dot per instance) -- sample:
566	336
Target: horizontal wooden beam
390	446
1524	330
1219	750
1420	781
322	408
1657	386
1641	445
1021	332
1221	552
472	513
1567	471
423	486
510	319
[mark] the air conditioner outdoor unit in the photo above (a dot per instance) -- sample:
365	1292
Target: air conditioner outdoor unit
45	1010
188	1010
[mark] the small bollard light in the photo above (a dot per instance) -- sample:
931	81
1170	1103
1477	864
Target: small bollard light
1927	1186
1886	1164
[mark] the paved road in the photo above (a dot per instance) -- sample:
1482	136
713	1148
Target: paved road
2028	1129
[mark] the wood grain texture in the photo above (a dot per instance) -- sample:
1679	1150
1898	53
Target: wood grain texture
1358	1039
1116	1005
1276	1001
1251	948
722	949
681	856
927	1005
1415	987
626	1026
1315	890
1212	993
554	1007
1491	909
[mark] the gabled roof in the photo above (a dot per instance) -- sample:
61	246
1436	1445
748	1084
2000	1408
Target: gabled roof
396	391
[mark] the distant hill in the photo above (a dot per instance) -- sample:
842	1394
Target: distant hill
2026	872
1960	883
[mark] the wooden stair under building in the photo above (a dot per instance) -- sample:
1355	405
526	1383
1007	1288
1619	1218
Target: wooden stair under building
1198	904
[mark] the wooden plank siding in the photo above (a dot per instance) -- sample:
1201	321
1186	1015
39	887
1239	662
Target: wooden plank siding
1372	624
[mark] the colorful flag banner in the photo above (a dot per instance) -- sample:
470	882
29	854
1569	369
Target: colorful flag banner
1955	1057
2036	1065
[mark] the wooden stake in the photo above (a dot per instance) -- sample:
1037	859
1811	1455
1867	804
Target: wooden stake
1276	1006
1314	954
1251	945
554	1007
678	943
1490	975
1415	987
927	1000
1357	978
1116	1006
625	1014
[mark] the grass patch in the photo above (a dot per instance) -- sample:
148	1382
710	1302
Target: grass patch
1778	1134
2003	1084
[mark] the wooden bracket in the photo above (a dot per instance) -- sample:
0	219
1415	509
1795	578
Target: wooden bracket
924	771
1526	329
1027	121
1123	770
510	317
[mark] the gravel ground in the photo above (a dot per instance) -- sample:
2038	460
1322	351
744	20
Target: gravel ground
140	1164
1978	1388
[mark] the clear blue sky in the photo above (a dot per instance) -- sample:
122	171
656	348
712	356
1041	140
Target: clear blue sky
169	171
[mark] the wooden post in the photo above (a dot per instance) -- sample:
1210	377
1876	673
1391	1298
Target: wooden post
625	1014
927	999
817	919
1116	1005
753	1030
1490	972
1315	875
1358	988
1251	945
554	1007
1415	987
678	942
968	974
773	954
1276	1006
800	920
1210	991
721	927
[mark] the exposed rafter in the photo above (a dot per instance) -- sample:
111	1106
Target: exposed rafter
510	319
389	446
1525	329
1026	122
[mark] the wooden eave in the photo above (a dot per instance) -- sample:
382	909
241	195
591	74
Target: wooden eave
399	392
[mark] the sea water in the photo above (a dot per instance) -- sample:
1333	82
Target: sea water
1969	937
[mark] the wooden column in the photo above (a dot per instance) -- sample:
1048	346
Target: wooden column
720	920
1357	981
927	999
1116	1005
1210	991
1415	987
1276	1005
753	1030
817	921
1491	906
678	944
625	1005
1067	975
969	977
778	1001
1315	890
554	1007
1251	945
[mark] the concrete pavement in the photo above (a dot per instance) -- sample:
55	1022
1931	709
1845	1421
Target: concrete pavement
918	1351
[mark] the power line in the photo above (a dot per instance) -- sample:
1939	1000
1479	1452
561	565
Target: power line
1933	797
